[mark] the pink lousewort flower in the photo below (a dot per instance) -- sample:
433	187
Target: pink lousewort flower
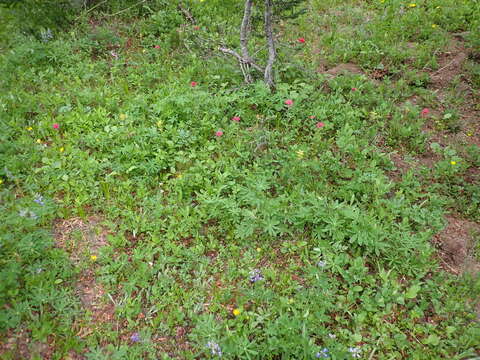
425	112
301	40
218	133
55	126
320	125
157	46
236	118
354	89
193	83
288	102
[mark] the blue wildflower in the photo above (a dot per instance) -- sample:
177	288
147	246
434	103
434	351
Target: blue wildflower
39	200
355	352
322	354
255	275
214	348
135	337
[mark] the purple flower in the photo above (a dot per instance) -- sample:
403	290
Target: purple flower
214	348
255	275
135	337
114	54
321	263
322	354
355	352
39	200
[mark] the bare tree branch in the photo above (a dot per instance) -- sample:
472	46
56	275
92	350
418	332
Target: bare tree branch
268	76
240	58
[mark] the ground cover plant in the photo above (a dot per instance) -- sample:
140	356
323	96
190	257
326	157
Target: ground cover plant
155	207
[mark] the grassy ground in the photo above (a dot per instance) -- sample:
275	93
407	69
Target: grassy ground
139	221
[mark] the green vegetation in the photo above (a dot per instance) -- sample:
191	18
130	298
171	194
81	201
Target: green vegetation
153	207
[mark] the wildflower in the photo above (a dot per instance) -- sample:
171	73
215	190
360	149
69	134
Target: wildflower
332	336
46	35
1	181
214	348
312	117
157	46
93	257
300	154
259	249
236	118
424	112
412	5
290	301
469	133
39	200
288	102
453	162
193	84
218	133
135	337
354	89
38	270
39	141
321	263
56	126
23	213
434	26
255	275
29	128
236	312
319	125
62	149
114	54
123	116
322	354
355	352
301	40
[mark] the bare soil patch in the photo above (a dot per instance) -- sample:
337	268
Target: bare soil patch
83	239
456	244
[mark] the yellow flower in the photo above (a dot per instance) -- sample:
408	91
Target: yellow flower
412	5
159	123
259	249
1	181
453	162
29	128
93	257
469	133
236	312
300	154
61	149
39	141
179	176
123	116
434	26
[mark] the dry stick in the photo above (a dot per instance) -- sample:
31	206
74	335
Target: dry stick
240	58
186	13
268	78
